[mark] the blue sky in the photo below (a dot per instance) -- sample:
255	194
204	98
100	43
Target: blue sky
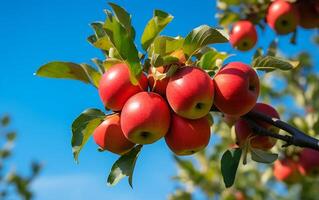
35	32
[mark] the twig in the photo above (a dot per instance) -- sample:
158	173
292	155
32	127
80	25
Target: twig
297	138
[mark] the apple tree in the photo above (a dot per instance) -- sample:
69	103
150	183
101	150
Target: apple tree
182	89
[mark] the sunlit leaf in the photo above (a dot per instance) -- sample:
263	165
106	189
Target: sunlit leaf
154	27
69	70
123	42
83	127
270	63
124	166
164	45
202	36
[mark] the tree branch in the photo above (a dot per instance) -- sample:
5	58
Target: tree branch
296	138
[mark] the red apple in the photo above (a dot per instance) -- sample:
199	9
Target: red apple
145	118
190	92
236	89
160	86
309	161
109	136
309	14
287	170
244	132
243	35
115	87
282	16
187	136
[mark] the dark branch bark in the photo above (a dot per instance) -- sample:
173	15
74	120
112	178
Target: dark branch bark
296	137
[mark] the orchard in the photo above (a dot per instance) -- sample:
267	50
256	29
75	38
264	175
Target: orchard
183	90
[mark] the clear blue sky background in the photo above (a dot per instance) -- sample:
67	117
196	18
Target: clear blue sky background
34	32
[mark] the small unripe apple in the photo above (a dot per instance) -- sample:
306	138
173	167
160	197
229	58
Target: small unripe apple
115	86
188	136
236	89
243	35
309	161
244	132
160	86
145	118
190	92
287	170
309	13
282	16
109	136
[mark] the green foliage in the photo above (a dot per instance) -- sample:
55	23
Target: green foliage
154	27
270	63
229	164
83	127
124	166
201	37
69	70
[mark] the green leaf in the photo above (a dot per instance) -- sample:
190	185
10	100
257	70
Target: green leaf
270	63
11	136
83	127
123	42
263	156
229	164
272	50
212	59
100	39
157	60
69	70
99	65
259	52
154	27
124	18
109	62
5	121
228	18
124	166
164	45
203	36
93	75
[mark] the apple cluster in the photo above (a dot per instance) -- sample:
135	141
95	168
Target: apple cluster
292	168
282	16
178	107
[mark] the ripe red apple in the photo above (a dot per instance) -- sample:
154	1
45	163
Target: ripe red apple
190	92
282	16
236	89
109	136
309	161
243	35
309	13
188	136
115	87
244	132
287	170
145	118
160	86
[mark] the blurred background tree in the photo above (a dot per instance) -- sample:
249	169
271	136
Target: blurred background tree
13	183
